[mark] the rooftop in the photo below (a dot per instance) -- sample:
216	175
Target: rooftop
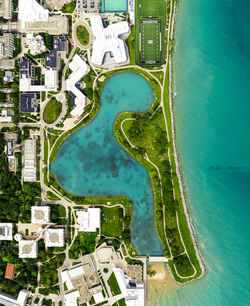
40	214
9	272
51	60
54	237
28	102
6	231
79	69
28	249
89	220
108	40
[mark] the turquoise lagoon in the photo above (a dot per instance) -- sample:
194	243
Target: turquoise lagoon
212	108
92	163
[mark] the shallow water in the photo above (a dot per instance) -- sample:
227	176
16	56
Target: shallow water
212	109
91	162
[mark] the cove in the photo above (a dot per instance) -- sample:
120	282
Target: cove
92	163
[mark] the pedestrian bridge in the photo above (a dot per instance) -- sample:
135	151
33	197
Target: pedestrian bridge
157	259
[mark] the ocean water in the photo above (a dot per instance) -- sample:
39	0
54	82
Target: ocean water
91	162
212	108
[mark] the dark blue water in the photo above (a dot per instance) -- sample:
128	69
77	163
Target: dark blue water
91	162
212	79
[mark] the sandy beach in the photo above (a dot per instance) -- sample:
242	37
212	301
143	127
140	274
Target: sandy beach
159	283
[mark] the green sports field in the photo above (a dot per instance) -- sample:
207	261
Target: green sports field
150	21
150	41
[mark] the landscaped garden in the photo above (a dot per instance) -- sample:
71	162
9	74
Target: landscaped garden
52	111
82	35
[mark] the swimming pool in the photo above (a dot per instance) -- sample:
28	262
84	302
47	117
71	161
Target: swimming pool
114	5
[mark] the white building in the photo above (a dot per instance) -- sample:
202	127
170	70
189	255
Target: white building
54	237
28	249
70	298
89	220
68	275
98	297
34	18
79	69
29	170
6	231
135	294
6	116
40	214
50	82
8	300
109	40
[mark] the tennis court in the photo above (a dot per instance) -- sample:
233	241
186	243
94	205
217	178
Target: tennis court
114	6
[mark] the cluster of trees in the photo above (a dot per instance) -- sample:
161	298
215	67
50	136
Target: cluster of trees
183	265
49	274
48	40
25	272
15	201
84	243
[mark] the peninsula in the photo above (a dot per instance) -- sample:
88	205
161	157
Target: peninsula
60	247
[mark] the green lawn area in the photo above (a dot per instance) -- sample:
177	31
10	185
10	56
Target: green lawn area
147	32
52	111
130	41
122	302
82	35
115	289
51	196
112	219
69	8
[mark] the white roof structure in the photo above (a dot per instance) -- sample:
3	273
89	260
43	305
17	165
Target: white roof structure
29	170
36	44
50	83
6	231
31	10
8	300
89	220
134	296
28	249
5	116
108	40
40	214
98	297
54	237
67	275
70	299
79	69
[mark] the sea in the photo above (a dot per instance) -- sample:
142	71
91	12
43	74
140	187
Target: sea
212	111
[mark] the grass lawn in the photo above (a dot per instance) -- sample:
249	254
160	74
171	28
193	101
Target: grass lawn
149	38
122	302
115	289
82	35
112	221
51	196
52	111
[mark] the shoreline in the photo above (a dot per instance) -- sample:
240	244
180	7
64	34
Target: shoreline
178	165
158	284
